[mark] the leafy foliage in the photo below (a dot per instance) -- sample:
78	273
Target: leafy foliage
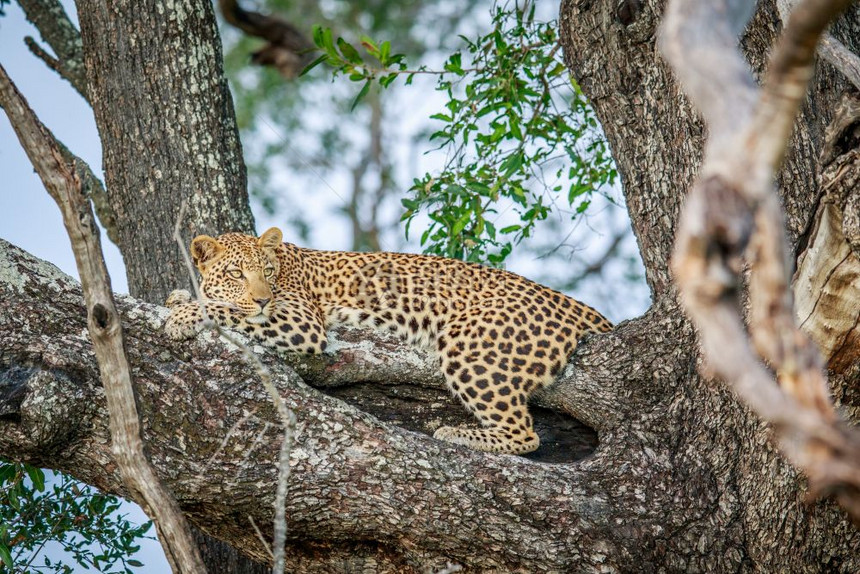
512	117
35	512
309	156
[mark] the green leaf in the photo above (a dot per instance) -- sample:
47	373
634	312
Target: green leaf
386	81
461	223
361	94
133	562
478	187
7	472
14	501
455	63
317	34
384	53
6	556
349	52
37	476
319	60
370	46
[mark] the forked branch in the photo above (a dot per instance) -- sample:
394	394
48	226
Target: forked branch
733	216
286	49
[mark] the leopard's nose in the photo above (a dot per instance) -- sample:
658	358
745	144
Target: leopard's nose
262	302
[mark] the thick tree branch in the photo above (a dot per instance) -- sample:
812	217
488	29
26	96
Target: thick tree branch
732	206
382	492
103	323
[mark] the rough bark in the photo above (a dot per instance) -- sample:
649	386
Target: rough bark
732	227
157	87
684	478
367	494
656	139
164	114
827	281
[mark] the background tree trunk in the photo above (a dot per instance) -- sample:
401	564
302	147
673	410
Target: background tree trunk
684	478
656	139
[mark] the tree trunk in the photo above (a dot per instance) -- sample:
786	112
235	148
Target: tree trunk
683	477
165	117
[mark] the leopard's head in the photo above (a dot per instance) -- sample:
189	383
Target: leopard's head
240	269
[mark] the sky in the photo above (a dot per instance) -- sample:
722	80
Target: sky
30	219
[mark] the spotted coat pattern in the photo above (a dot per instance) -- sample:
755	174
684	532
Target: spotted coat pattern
498	337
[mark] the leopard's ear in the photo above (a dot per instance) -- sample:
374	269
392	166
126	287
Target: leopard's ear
204	250
271	239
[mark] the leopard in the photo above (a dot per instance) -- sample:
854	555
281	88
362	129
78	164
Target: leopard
497	337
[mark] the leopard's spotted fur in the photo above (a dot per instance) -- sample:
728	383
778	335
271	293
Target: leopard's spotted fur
498	336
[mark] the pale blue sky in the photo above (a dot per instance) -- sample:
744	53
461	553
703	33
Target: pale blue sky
28	216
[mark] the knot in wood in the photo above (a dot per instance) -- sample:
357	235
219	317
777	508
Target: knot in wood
101	316
627	11
727	217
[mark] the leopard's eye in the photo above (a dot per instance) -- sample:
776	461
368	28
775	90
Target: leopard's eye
269	271
235	273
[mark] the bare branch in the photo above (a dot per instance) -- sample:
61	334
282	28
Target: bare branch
841	58
55	27
714	74
287	50
732	207
103	322
57	30
831	49
791	67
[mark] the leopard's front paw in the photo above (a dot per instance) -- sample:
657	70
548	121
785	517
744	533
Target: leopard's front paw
183	322
177	297
449	434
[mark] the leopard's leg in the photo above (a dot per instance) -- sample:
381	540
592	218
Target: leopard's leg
492	365
295	325
186	316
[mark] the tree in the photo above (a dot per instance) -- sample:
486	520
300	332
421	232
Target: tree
311	127
683	476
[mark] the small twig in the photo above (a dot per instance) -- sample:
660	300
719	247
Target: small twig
40	53
257	440
288	418
56	28
260	536
233	429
